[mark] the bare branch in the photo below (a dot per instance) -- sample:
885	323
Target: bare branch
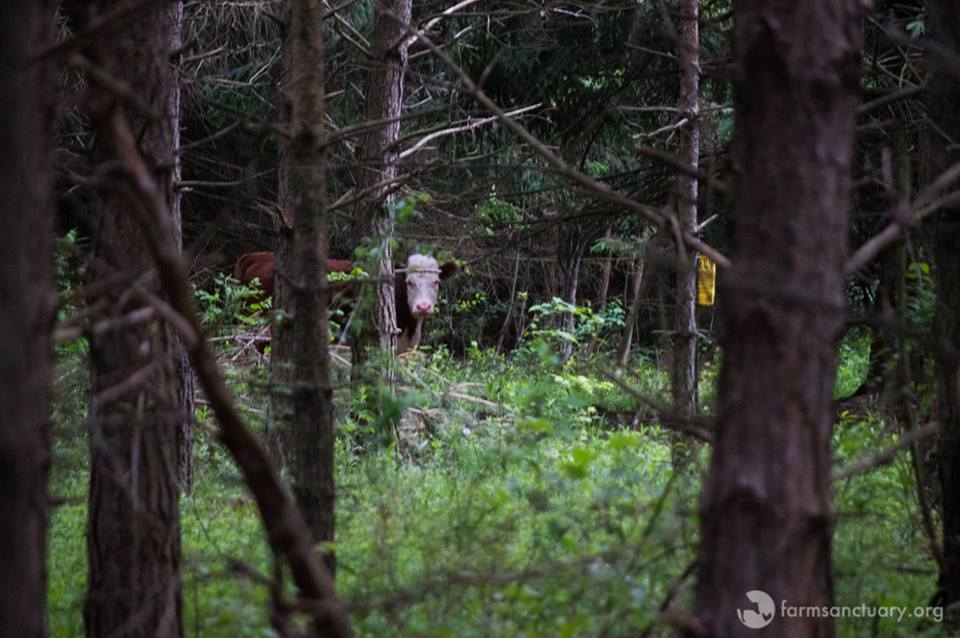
459	129
928	201
668	418
599	189
886	457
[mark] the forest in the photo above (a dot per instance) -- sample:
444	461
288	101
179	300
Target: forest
480	318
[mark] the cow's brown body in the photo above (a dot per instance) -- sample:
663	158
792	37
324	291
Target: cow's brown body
415	297
259	265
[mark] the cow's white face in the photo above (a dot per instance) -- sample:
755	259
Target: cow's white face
423	282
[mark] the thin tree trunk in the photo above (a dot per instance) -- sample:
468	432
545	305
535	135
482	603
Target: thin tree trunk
133	532
684	382
313	461
943	96
374	215
766	512
572	245
636	290
605	273
26	286
282	344
512	304
883	371
183	371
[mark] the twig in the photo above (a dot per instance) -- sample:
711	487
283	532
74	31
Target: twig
459	129
674	162
668	419
117	391
433	21
886	457
928	201
601	190
65	333
910	91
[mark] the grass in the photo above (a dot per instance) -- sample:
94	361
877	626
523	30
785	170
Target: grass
525	516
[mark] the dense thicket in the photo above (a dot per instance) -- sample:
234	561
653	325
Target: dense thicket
521	472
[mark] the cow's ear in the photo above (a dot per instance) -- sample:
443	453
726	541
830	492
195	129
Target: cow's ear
448	269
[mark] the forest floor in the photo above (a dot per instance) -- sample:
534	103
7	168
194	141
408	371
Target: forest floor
516	506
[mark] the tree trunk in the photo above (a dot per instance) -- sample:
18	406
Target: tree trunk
511	304
306	189
183	371
286	530
943	96
636	295
378	173
766	517
282	344
133	533
572	245
684	381
605	272
26	286
884	371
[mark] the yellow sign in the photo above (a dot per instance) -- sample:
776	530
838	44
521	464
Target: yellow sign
706	280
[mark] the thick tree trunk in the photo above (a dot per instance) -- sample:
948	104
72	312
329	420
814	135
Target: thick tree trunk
684	378
285	528
766	517
306	189
26	286
943	97
133	533
378	173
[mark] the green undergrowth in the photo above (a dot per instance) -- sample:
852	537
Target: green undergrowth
519	500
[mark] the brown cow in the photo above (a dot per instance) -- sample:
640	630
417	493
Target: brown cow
416	288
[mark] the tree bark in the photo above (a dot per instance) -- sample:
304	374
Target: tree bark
282	343
943	96
133	533
605	272
636	295
684	381
378	172
571	247
511	304
183	372
306	188
766	517
286	530
27	288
